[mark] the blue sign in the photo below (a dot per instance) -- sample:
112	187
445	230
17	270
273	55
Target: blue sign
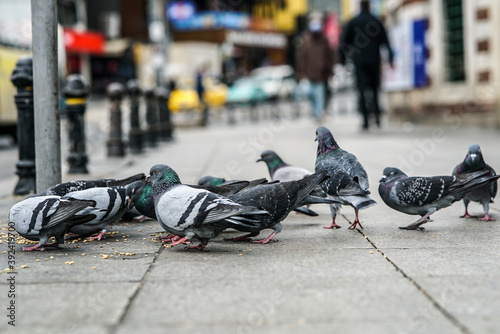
419	72
213	20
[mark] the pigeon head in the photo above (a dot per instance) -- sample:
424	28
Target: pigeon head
474	158
326	142
140	195
163	174
272	160
390	174
211	181
135	192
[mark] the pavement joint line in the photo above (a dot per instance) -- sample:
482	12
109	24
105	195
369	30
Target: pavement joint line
114	328
426	294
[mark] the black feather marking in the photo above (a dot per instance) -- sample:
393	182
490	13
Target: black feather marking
190	208
45	205
112	199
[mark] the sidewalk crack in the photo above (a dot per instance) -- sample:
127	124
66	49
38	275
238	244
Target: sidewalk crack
426	294
140	283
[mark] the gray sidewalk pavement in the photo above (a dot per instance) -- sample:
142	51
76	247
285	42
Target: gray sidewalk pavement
379	279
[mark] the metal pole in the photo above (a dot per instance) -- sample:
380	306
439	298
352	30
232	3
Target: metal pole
135	135
115	143
46	94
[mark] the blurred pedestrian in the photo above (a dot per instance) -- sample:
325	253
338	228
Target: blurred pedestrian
361	40
200	89
315	59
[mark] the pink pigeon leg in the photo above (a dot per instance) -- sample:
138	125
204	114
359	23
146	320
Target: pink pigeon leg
356	221
99	236
486	218
466	215
266	240
333	225
182	240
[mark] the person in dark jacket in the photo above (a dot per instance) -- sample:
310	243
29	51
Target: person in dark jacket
361	40
315	63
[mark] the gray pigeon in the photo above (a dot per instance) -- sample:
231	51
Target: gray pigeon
194	213
277	198
425	195
67	187
474	162
40	218
348	182
110	205
281	171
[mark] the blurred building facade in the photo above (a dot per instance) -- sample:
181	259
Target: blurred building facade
447	59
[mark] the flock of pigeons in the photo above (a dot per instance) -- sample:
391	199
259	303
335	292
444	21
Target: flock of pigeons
203	211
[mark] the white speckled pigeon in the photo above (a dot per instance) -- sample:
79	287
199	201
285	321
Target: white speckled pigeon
40	218
423	196
111	204
348	182
473	162
67	187
194	213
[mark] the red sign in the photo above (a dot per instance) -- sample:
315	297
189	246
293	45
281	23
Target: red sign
83	41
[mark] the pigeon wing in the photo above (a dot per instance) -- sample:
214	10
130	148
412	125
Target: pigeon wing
417	191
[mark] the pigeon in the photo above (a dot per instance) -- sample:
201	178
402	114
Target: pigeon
140	193
211	181
195	213
67	187
111	204
348	182
281	171
140	196
40	218
474	161
423	196
277	198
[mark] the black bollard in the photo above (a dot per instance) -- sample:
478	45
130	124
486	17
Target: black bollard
115	144
75	92
152	120
166	127
135	135
22	78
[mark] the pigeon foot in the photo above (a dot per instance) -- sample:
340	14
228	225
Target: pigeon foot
39	247
332	226
98	237
486	218
266	240
170	238
180	241
466	215
353	225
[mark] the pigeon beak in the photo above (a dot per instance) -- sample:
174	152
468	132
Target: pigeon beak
382	179
147	179
473	156
258	160
129	203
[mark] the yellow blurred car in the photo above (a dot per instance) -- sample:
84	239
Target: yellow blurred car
183	99
215	94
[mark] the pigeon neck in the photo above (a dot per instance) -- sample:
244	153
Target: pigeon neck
275	164
326	147
145	204
475	164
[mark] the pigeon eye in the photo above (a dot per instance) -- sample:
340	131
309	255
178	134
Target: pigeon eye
155	171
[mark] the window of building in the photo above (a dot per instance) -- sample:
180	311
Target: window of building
454	40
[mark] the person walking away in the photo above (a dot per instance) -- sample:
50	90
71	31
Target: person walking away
361	40
315	63
200	89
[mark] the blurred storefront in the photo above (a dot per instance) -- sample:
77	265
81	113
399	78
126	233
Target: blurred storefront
447	60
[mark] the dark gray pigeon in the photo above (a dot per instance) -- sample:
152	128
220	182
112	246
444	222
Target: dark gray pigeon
474	162
110	205
211	181
191	213
67	187
423	196
277	198
348	182
40	218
